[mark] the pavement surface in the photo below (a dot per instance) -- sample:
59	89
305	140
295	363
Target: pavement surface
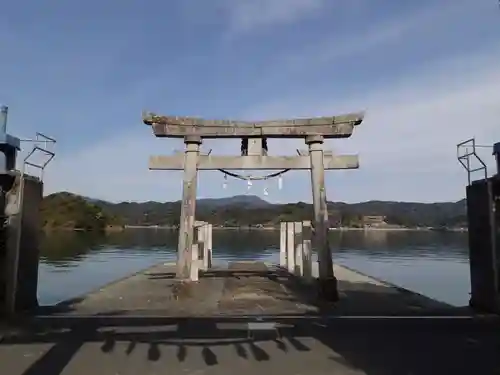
250	318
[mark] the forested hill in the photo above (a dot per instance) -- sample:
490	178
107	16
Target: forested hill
69	210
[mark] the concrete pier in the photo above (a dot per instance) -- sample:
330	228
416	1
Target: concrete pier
245	288
248	318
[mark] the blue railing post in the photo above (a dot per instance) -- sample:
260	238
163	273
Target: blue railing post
9	145
3	118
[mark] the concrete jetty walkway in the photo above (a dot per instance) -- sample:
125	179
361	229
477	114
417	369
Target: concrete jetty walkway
240	289
250	318
246	289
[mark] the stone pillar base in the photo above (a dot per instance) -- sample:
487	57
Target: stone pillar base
328	289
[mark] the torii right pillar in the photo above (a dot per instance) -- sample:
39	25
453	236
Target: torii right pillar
327	280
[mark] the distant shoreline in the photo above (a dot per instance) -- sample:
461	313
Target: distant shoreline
273	228
336	229
381	229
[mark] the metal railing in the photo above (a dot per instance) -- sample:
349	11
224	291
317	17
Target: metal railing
466	155
37	149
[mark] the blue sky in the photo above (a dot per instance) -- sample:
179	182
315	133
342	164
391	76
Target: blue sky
426	72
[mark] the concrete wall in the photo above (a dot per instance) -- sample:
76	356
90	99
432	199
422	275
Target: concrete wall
7	181
22	247
483	247
29	248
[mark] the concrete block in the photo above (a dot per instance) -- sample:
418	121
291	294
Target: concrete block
307	261
22	243
204	230
283	231
298	248
195	263
209	246
290	247
484	249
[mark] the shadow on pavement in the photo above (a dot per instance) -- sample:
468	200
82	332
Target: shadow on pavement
312	345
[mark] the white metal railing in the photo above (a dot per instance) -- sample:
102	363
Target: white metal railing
466	154
40	139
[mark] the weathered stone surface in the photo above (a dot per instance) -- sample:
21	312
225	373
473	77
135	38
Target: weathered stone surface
178	127
205	162
351	118
188	209
244	288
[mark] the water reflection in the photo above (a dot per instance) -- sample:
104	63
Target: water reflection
61	249
431	263
428	262
401	243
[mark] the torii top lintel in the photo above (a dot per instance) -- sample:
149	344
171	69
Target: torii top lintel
178	127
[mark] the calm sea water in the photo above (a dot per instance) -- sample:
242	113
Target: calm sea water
434	264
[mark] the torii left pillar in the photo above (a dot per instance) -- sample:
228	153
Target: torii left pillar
188	207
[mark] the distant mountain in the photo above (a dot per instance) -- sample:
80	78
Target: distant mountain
252	210
70	211
252	201
409	213
406	208
249	201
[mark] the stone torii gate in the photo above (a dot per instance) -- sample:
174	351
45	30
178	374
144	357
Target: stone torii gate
315	159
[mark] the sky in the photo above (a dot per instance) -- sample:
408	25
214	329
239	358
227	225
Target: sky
426	73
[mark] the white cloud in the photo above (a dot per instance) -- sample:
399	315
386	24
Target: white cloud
406	144
116	169
412	29
247	15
